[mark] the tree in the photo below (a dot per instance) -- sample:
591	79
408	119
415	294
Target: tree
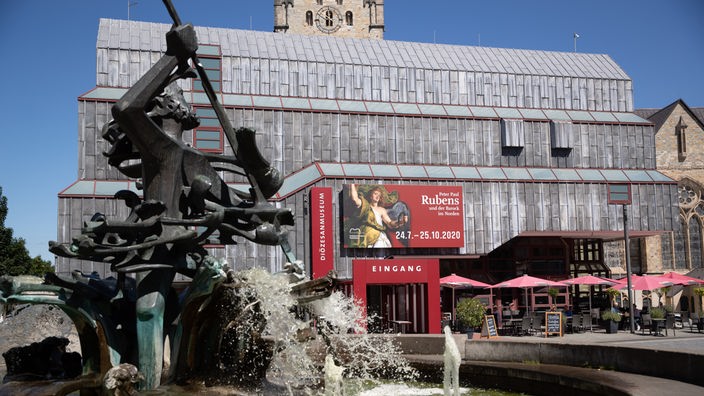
14	256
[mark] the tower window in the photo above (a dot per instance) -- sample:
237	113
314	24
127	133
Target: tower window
309	18
320	2
339	2
681	132
348	18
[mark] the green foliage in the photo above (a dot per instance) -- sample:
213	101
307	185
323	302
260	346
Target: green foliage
611	292
14	256
699	291
611	315
553	292
657	313
470	312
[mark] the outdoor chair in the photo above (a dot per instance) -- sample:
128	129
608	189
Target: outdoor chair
538	323
685	319
525	328
670	324
577	323
586	321
695	321
647	323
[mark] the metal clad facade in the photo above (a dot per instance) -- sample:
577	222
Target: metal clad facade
388	73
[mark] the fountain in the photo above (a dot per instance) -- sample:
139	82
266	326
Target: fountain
226	327
451	361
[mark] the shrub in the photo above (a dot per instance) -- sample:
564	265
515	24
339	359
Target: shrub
657	313
470	312
610	315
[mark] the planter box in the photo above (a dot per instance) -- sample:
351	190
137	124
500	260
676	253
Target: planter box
611	327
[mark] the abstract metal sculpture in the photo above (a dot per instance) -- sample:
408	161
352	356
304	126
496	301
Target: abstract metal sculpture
182	190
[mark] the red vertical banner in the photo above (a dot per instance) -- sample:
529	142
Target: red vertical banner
321	224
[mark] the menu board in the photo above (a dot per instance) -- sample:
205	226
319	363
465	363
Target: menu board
553	323
489	327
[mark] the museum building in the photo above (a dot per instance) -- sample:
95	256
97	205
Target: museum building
403	162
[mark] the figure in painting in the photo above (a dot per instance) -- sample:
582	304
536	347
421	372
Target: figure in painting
373	219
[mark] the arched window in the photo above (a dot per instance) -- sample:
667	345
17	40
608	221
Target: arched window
320	2
679	247
309	18
339	2
695	241
688	247
348	18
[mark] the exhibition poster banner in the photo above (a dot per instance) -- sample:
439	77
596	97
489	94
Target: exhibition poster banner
388	215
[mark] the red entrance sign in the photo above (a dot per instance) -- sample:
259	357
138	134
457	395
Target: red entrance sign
401	271
321	223
386	216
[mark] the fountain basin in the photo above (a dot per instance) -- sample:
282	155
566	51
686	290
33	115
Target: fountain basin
540	367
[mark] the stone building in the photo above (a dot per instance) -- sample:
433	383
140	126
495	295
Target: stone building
679	147
501	159
339	18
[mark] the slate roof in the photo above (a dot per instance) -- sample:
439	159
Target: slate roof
147	36
659	116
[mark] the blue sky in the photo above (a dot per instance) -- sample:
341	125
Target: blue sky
49	60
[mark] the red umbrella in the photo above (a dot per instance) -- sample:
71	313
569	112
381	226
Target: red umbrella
680	279
624	280
646	282
589	280
459	282
527	281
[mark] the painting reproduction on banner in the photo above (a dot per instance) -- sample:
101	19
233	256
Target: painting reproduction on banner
399	216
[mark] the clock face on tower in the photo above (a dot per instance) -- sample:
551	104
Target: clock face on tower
328	19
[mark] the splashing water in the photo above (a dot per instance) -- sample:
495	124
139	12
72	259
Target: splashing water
452	360
333	377
333	326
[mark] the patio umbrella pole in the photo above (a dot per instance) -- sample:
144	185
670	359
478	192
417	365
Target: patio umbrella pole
454	315
628	269
591	320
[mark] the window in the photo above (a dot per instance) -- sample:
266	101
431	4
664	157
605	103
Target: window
213	240
688	240
208	136
210	58
348	18
666	242
339	2
695	242
561	135
309	18
512	133
320	2
681	133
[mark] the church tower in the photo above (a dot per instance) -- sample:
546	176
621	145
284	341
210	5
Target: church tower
341	18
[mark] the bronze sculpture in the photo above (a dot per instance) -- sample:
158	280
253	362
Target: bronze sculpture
182	190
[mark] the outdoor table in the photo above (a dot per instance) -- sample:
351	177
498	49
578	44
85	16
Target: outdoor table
658	325
510	326
400	324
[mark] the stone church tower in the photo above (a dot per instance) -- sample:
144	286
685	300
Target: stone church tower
341	18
